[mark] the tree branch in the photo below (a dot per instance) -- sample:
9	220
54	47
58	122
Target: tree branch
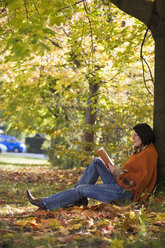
65	32
91	30
53	42
70	6
140	9
50	110
36	8
27	16
145	61
3	9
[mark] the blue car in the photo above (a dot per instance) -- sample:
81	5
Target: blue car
12	144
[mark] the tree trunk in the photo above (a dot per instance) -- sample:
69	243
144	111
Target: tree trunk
90	116
159	95
140	9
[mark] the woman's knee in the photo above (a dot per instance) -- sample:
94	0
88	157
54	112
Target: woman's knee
85	191
98	162
80	190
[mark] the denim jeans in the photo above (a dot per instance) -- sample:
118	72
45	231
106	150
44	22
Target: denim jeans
87	188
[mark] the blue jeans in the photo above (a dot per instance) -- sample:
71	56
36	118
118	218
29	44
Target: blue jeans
86	187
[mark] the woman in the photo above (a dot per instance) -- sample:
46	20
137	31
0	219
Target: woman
137	176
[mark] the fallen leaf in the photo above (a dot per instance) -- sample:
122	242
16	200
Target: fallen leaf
117	243
160	223
67	239
33	224
64	230
107	229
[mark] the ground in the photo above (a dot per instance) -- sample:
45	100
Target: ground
124	225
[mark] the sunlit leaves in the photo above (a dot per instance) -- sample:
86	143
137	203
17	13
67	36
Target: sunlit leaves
51	51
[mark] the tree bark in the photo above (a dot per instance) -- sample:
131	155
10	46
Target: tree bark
90	116
140	9
159	104
158	31
153	15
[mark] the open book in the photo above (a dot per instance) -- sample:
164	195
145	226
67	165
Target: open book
104	156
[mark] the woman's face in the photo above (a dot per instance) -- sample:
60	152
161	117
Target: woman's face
136	139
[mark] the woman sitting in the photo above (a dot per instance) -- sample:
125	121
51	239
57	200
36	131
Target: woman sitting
136	178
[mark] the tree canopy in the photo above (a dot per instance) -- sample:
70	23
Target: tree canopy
61	58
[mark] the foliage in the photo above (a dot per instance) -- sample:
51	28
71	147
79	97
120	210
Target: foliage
98	225
50	51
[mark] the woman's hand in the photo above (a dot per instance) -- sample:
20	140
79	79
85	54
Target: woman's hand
113	169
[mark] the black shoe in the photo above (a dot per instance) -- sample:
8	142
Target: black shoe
36	202
82	202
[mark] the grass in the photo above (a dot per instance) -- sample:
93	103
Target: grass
99	225
6	158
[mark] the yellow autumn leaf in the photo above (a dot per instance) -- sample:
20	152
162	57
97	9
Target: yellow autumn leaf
21	223
116	220
117	243
51	223
8	236
77	226
160	216
64	230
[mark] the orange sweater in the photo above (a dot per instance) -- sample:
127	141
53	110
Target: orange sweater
139	173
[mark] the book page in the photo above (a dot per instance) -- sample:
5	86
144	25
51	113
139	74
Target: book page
104	156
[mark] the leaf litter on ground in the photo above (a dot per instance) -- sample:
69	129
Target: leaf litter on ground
97	225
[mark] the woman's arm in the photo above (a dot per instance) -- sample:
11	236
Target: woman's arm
113	169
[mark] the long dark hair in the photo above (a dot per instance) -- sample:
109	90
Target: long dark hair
145	132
